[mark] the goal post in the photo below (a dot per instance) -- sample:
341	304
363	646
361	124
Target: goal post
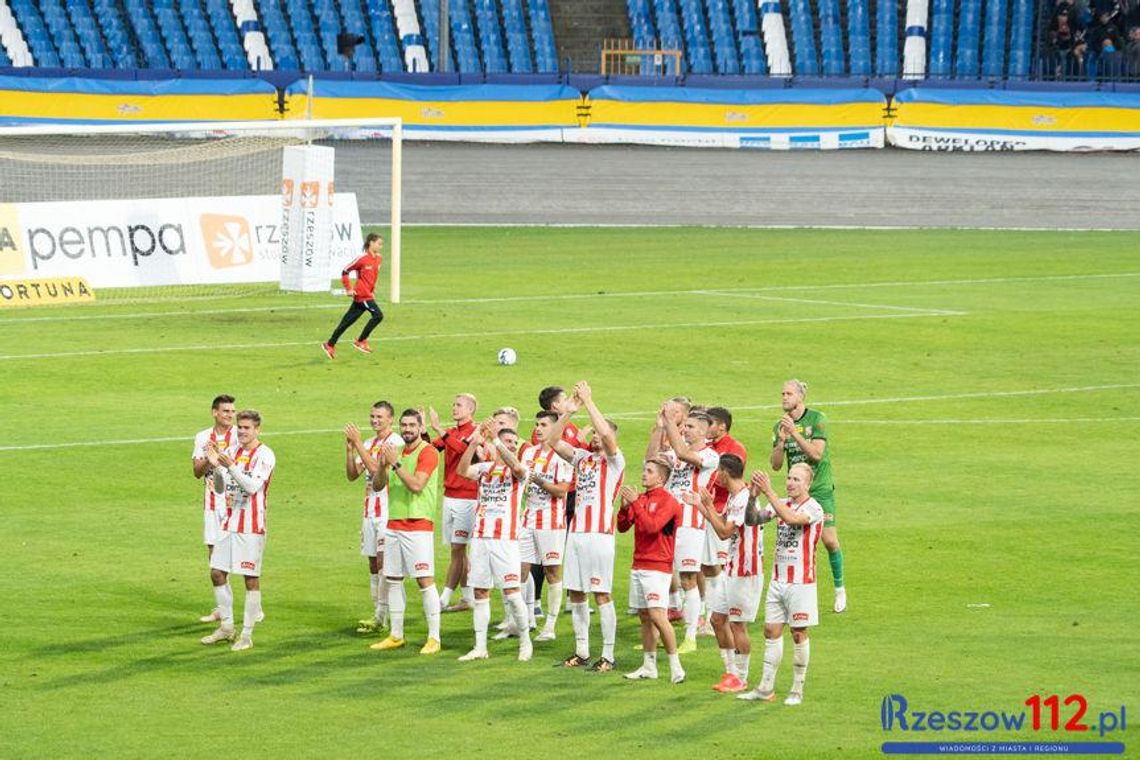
186	208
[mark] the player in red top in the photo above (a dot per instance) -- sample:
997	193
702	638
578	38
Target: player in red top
654	515
459	497
715	554
367	267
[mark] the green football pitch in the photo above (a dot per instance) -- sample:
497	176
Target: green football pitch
982	391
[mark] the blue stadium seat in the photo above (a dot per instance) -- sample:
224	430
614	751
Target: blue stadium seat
4	59
36	34
668	30
1020	38
723	37
752	57
518	47
941	38
542	31
803	38
831	38
490	36
993	49
696	37
886	39
463	38
119	46
969	24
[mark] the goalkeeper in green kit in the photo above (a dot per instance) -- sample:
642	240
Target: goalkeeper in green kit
801	436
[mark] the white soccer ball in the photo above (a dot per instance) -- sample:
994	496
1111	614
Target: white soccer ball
507	356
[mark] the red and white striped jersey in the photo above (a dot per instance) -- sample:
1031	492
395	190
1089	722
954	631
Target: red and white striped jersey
376	502
246	511
500	501
746	547
212	499
599	478
795	544
686	477
543	510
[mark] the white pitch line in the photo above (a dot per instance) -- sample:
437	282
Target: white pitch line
1021	421
644	415
585	296
757	296
481	334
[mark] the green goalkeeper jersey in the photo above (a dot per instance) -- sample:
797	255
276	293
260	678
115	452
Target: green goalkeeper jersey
812	426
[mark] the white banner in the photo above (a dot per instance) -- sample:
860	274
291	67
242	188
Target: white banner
307	193
956	141
163	241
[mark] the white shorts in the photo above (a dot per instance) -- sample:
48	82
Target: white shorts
372	530
211	527
649	588
589	563
738	598
239	553
687	550
458	520
791	603
715	549
495	563
542	547
408	553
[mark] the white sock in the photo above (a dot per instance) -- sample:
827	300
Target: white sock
801	653
554	599
580	617
692	612
430	597
742	662
249	614
675	663
773	655
482	617
224	599
728	657
374	587
468	595
517	609
649	661
445	596
382	599
608	614
528	600
397	604
675	599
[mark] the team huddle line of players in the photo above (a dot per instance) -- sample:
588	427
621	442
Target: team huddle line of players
546	510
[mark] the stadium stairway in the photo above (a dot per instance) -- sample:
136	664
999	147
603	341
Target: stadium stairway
581	25
13	47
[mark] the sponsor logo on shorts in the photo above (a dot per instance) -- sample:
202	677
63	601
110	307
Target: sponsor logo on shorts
652	596
462	534
248	565
422	565
688	563
799	617
511	577
735	611
722	556
553	555
595	580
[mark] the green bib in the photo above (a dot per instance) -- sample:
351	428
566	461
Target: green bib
402	503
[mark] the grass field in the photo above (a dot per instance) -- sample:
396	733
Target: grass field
983	394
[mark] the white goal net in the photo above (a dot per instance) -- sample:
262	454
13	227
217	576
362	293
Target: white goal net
194	210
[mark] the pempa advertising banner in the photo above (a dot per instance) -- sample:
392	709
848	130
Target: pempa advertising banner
161	241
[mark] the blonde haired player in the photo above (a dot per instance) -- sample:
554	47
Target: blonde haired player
791	596
244	472
495	546
221	435
364	457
